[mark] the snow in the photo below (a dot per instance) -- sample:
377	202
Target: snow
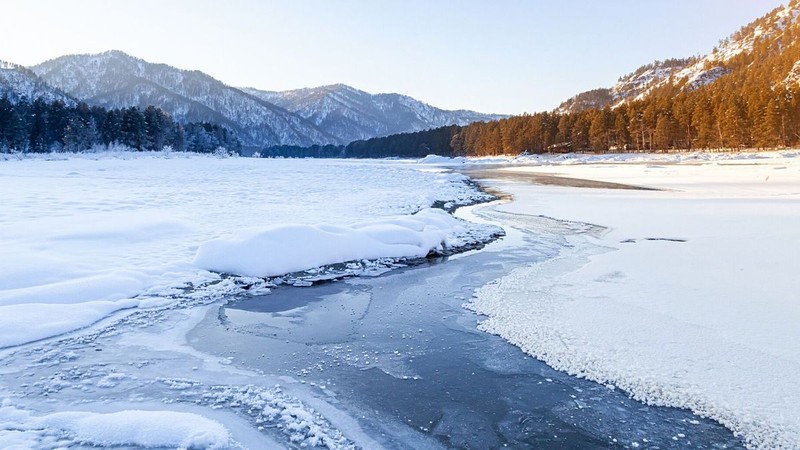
84	236
561	159
130	427
97	252
687	299
436	159
291	248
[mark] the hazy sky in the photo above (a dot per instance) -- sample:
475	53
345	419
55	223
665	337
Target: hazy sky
505	56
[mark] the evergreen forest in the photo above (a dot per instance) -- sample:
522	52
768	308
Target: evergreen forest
754	103
40	127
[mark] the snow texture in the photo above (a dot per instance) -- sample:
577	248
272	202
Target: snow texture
291	248
83	236
688	299
21	429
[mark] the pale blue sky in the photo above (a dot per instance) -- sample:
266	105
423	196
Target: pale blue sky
505	56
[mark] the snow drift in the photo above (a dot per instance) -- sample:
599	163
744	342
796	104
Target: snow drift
284	249
21	429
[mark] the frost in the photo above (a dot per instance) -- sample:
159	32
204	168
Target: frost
707	322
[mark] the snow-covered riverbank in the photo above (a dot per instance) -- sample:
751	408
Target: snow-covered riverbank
689	299
84	236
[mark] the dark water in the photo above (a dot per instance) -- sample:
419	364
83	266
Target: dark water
400	354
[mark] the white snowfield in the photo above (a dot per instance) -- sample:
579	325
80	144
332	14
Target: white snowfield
84	236
690	298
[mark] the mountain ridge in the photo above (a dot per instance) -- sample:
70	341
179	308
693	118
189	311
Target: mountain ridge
691	73
114	79
332	114
353	114
17	81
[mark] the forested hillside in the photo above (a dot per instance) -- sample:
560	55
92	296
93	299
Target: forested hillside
754	103
405	145
42	126
745	94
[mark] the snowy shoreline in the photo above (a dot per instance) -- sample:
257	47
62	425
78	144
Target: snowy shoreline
97	253
86	236
685	301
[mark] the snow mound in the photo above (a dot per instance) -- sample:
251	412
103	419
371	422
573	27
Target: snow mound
124	428
436	159
283	249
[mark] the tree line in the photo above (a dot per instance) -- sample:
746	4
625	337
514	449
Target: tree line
754	102
403	145
742	109
40	126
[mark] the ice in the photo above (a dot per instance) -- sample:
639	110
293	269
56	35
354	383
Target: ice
687	299
31	322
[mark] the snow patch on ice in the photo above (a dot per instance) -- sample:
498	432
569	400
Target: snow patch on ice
436	159
290	248
123	428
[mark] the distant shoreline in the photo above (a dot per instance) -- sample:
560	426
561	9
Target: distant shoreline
546	179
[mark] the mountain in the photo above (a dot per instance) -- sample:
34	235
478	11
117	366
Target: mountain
16	82
351	114
116	80
633	86
335	114
743	95
695	72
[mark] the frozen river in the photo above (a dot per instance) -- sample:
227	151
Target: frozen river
384	360
401	354
393	361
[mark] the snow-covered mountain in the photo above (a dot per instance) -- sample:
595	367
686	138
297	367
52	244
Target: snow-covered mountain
115	80
691	73
17	81
352	114
635	85
336	114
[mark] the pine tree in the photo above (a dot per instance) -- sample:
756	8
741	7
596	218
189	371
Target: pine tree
39	130
599	130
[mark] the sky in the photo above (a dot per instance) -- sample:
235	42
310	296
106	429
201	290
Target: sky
500	56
